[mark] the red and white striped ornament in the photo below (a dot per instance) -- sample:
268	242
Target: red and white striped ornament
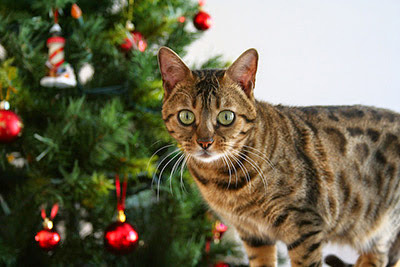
56	51
60	73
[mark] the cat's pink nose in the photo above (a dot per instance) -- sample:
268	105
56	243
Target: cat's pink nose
205	143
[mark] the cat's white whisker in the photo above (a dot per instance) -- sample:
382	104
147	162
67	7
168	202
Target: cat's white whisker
237	152
158	166
229	168
244	170
263	156
158	150
250	152
173	170
165	166
182	168
233	166
255	166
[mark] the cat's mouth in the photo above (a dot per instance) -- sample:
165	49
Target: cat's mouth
204	154
207	156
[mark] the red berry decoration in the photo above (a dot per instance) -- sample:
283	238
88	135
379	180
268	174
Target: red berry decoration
47	239
134	40
182	19
120	238
10	126
202	21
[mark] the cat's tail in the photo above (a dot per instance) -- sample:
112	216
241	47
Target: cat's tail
334	261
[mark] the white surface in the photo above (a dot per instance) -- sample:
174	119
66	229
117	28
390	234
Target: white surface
345	253
314	52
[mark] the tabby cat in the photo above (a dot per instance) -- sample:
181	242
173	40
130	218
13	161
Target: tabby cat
301	175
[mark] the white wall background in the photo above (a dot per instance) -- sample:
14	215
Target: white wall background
312	52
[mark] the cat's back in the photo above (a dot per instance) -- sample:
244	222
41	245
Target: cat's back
348	127
361	135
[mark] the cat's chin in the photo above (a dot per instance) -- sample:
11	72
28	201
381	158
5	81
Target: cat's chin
206	157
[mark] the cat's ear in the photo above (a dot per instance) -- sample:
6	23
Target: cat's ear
173	69
243	71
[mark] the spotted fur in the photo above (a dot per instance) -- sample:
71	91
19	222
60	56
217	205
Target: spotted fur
301	175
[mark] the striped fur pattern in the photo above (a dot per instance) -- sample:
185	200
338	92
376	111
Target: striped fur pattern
301	175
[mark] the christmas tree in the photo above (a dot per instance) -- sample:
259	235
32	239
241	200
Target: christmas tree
84	81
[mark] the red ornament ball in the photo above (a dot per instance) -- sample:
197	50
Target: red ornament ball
202	21
221	264
120	238
10	126
47	239
134	40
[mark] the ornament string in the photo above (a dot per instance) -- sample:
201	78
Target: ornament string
53	212
10	88
48	222
120	199
55	15
8	79
130	10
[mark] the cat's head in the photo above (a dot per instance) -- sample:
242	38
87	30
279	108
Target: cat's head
209	112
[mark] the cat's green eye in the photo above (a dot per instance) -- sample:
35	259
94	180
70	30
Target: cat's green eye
226	117
186	117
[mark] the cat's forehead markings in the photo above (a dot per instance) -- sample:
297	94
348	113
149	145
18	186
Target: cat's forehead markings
208	84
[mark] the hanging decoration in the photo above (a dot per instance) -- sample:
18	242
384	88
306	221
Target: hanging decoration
60	73
120	237
202	21
134	39
218	230
48	239
10	123
15	159
86	73
182	19
10	126
3	52
76	13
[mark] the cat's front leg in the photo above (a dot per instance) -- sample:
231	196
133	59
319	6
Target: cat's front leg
261	252
306	250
